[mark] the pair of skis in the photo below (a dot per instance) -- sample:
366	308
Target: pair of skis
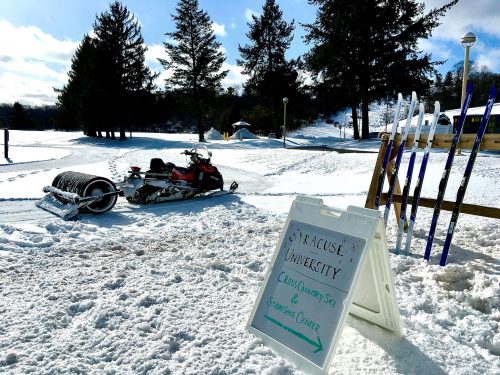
397	163
465	179
418	186
447	169
444	178
399	156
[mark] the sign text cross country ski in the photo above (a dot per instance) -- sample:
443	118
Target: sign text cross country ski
328	263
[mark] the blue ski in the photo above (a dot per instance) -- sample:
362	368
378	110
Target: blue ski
467	174
446	173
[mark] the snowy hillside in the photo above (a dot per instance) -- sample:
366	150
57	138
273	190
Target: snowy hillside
168	288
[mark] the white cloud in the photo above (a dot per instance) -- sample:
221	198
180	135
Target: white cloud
490	59
155	52
438	49
476	16
32	63
218	29
235	77
29	42
26	90
480	17
249	13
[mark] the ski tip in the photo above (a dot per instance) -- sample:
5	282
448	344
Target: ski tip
437	106
413	96
469	86
233	186
400	97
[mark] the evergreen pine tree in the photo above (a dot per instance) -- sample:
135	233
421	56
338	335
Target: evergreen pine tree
75	104
195	58
108	79
120	63
272	77
18	118
368	48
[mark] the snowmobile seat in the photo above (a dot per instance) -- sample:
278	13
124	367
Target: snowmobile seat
156	165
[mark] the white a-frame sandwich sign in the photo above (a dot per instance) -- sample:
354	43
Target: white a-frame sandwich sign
328	262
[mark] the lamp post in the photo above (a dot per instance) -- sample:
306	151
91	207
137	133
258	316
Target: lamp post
285	101
467	42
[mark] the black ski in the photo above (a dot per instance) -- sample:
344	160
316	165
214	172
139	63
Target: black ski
446	173
467	174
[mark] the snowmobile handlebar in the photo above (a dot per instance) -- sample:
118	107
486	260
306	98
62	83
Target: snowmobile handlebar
196	156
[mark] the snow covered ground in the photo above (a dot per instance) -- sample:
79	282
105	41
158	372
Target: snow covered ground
167	289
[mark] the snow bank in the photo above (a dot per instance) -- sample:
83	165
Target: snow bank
243	134
213	135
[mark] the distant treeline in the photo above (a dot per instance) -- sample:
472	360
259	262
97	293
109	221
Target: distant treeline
168	112
19	117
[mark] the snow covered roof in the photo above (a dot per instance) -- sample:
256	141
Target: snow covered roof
476	111
241	123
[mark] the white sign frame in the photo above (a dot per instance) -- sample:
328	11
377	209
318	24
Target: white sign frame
295	311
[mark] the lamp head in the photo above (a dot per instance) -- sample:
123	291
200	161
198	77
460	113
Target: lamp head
468	39
285	100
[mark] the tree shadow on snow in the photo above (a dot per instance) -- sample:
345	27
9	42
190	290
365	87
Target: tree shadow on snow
139	142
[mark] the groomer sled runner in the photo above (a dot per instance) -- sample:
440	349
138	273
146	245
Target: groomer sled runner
74	192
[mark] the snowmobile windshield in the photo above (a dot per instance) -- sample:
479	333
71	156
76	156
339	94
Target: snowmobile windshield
202	152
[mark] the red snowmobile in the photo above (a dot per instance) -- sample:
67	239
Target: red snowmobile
72	192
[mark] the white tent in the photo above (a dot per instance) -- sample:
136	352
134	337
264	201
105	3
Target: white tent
240	124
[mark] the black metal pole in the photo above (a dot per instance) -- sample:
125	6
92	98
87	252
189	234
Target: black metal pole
6	143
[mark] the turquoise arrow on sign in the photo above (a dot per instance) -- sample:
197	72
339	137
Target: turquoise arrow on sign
317	345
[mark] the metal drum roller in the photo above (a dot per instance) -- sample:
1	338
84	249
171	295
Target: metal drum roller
86	185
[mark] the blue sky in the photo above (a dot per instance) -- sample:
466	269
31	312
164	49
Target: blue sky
38	38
